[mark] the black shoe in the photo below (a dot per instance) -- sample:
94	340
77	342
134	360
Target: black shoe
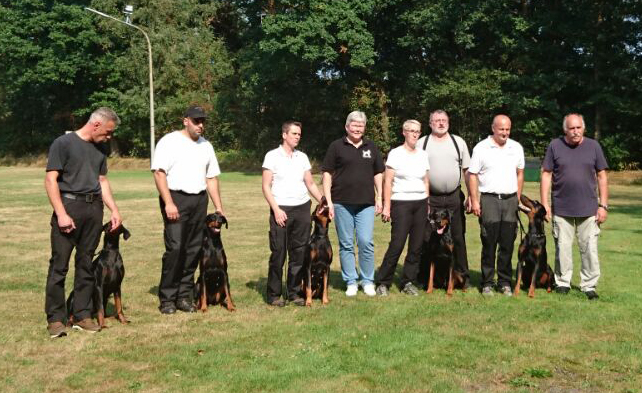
591	295
167	308
277	303
299	301
562	290
185	305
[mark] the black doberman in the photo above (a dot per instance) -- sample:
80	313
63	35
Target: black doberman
318	257
440	255
109	272
213	284
532	267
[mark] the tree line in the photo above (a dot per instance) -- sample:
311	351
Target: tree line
256	63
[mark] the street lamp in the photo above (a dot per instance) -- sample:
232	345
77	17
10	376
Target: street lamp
128	11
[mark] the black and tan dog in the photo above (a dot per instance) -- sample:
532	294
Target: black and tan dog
109	271
213	284
440	254
532	266
318	257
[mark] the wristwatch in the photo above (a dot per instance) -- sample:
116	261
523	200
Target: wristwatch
605	207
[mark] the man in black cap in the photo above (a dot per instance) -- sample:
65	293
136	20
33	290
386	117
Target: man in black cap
184	167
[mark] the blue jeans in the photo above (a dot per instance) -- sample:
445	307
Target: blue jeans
347	218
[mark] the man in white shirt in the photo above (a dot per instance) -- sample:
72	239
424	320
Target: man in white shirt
184	167
287	179
497	172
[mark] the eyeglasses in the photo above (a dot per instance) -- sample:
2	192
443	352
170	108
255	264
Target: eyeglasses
414	131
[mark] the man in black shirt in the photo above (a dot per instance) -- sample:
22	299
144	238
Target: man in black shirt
352	170
76	184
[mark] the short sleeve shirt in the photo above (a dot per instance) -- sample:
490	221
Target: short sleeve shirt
574	171
186	162
288	186
496	167
445	174
410	170
353	170
79	163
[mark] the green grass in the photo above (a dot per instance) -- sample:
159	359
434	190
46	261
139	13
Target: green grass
431	343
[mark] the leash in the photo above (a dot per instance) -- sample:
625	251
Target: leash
521	226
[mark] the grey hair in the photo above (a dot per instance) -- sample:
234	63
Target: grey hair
407	123
106	114
573	114
438	112
356	116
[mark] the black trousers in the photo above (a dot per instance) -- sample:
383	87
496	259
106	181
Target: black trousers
85	238
408	222
183	240
498	224
291	239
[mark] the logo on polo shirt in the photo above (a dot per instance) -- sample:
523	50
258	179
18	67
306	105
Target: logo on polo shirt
366	154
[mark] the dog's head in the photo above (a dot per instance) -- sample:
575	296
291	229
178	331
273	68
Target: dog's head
534	211
322	213
107	228
215	221
440	220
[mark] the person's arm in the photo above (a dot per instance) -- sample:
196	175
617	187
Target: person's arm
312	186
468	201
427	185
474	194
108	200
327	187
65	222
603	189
378	180
388	176
545	191
171	211
214	192
279	215
520	183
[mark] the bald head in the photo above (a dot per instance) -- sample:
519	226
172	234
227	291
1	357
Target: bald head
501	129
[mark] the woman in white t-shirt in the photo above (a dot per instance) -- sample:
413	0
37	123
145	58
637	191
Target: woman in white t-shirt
405	194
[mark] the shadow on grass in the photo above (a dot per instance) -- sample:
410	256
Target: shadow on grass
334	281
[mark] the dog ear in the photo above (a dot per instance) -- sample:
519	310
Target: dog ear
107	226
225	221
126	234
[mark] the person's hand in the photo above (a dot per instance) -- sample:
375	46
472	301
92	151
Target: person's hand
385	214
378	207
331	210
468	205
547	207
171	211
66	223
116	220
280	217
601	214
476	208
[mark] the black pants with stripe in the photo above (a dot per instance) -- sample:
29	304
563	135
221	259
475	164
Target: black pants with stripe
498	230
183	240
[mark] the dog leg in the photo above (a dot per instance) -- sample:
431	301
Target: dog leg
202	299
118	302
431	277
308	288
531	289
228	296
325	288
451	282
518	283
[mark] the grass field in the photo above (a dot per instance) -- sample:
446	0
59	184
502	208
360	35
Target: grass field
431	343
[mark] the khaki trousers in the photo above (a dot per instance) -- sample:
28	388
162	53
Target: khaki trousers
587	232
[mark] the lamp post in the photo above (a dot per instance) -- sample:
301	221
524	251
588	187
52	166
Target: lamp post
128	12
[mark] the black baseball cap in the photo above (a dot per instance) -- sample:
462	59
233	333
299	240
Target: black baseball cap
195	112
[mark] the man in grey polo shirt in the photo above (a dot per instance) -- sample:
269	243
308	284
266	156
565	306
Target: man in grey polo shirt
448	156
576	167
497	168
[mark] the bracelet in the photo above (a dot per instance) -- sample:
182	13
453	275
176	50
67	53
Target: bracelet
605	207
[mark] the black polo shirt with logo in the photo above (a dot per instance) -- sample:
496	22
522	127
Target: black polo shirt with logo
353	170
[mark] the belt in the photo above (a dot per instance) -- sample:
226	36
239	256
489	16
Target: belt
445	193
89	198
500	196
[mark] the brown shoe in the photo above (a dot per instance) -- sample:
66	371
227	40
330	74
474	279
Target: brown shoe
56	329
87	325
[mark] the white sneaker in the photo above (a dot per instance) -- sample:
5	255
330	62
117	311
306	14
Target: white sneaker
352	290
369	290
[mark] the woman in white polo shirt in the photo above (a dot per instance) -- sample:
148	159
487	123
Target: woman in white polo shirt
405	194
287	179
